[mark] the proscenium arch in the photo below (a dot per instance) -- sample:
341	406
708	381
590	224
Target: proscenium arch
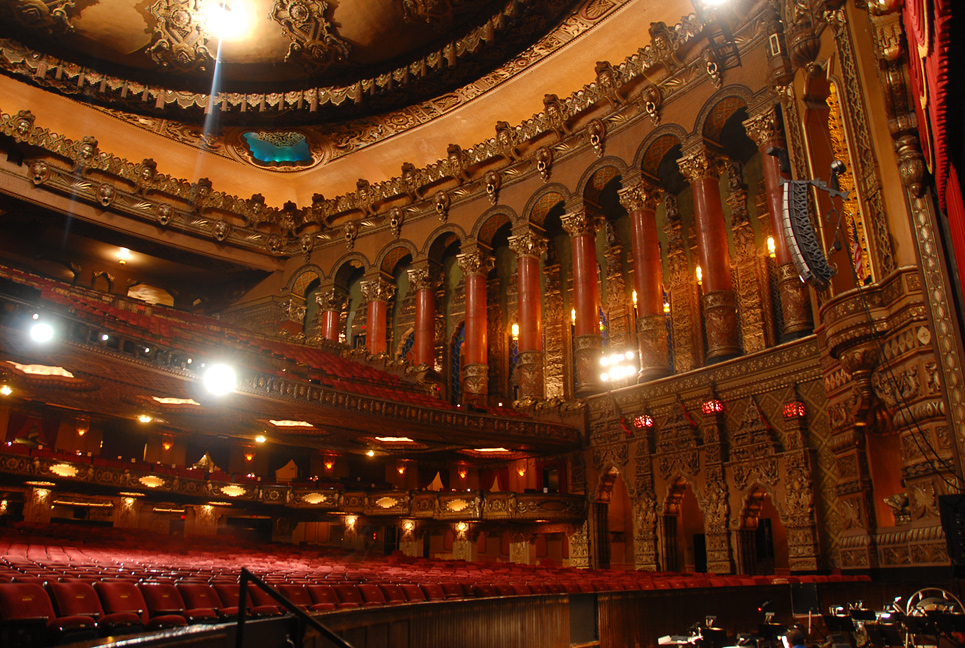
543	201
491	221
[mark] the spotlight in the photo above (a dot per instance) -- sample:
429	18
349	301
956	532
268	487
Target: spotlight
370	453
220	379
261	438
42	332
5	390
144	418
227	22
105	337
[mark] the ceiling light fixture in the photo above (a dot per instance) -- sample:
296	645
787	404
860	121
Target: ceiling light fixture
220	379
123	255
261	438
41	332
227	22
5	390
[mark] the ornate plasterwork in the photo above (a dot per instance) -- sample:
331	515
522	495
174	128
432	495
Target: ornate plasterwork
50	16
315	43
180	42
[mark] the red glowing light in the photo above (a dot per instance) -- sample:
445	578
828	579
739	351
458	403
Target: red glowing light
794	409
712	407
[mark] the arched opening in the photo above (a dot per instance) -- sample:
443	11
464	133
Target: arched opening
762	538
683	545
455	364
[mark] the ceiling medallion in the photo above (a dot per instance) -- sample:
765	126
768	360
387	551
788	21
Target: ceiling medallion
181	43
315	44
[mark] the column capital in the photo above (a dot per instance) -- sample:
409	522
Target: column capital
764	127
639	194
475	261
578	222
528	244
377	289
423	277
699	163
330	298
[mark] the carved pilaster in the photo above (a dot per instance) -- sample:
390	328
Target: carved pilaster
553	333
684	319
751	285
616	293
586	360
579	543
652	342
529	375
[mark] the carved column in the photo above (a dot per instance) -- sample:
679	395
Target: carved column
519	548
529	247
205	520
582	229
377	292
616	305
475	265
701	168
800	519
126	513
36	506
554	384
423	282
714	503
292	317
330	302
765	129
748	266
685	328
640	199
579	545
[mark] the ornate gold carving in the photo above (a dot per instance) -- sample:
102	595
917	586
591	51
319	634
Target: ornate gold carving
684	322
50	16
586	361
554	322
654	352
475	262
650	101
795	305
595	133
377	289
456	166
578	223
529	375
748	269
720	318
544	162
492	182
639	195
475	380
422	279
506	141
554	116
608	85
180	42
699	164
528	244
764	128
315	43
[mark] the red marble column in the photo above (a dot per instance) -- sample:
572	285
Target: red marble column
423	282
765	129
529	247
586	298
377	292
719	300
640	199
330	302
475	265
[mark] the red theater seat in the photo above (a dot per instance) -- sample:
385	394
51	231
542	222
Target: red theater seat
27	618
413	593
80	599
119	596
325	595
164	599
229	593
393	594
433	592
351	594
202	595
453	590
298	594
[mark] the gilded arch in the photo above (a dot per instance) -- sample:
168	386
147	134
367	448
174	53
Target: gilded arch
718	109
491	220
544	200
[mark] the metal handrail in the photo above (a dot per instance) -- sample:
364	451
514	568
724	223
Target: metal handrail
291	607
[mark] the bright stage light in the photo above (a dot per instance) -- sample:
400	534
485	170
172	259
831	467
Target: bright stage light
220	379
42	332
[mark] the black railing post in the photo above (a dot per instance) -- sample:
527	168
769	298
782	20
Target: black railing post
242	607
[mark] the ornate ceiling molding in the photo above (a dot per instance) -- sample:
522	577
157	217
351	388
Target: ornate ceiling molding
180	41
315	43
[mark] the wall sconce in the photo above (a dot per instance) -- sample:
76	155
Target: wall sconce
249	455
82	425
573	316
634	298
166	444
328	462
129	501
515	331
350	521
463	472
794	409
771	247
712	406
462	527
401	467
123	255
408	526
666	308
700	275
521	470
